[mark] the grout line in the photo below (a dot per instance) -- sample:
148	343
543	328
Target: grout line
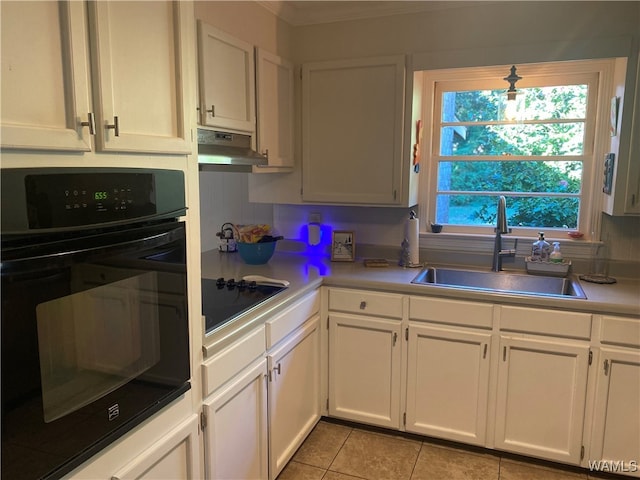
340	449
413	470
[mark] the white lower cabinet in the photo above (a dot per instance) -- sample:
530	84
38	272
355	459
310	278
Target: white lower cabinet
541	398
364	369
448	383
236	427
504	377
615	436
294	393
365	356
263	395
175	456
616	430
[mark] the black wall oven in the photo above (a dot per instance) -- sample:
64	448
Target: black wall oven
95	335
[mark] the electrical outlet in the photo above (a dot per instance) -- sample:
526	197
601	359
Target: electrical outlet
315	217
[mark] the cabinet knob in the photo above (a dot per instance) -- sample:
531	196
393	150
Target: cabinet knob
363	305
91	123
266	153
115	127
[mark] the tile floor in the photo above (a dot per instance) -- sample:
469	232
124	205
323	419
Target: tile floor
341	451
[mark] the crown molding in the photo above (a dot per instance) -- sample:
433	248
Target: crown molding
310	12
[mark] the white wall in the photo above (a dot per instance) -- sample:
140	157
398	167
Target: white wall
223	198
484	27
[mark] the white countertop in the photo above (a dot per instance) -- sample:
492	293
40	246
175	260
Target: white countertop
306	273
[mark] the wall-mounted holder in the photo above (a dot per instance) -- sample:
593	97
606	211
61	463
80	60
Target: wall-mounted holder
609	160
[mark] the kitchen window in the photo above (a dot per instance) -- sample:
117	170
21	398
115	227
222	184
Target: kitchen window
539	151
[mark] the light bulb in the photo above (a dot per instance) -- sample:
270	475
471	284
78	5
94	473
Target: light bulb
511	110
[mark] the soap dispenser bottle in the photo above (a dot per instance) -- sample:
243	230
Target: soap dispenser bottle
541	249
556	255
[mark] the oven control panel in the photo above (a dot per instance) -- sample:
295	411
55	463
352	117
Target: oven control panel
61	199
69	199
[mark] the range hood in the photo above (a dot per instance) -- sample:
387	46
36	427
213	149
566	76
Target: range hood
227	152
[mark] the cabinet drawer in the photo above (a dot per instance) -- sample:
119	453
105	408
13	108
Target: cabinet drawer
546	322
228	362
291	318
451	312
620	331
372	303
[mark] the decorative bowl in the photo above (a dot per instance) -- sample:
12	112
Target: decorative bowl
575	234
436	227
256	253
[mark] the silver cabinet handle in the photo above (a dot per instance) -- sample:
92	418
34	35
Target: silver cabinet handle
115	126
212	111
91	123
266	153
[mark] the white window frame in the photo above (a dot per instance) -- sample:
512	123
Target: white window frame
596	141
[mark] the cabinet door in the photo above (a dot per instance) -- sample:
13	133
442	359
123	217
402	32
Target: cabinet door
541	398
227	80
352	117
275	110
294	393
364	369
175	456
236	432
140	75
45	94
448	383
616	429
632	204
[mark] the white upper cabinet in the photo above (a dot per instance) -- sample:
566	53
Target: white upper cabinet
140	75
45	94
624	197
352	117
227	80
275	111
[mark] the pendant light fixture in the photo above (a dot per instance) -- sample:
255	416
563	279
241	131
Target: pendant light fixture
511	109
512	79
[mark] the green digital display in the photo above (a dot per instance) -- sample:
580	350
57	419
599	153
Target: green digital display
100	195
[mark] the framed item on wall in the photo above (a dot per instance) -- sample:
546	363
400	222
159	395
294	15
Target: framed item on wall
343	246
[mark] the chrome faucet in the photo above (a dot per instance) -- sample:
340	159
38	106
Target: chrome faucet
501	228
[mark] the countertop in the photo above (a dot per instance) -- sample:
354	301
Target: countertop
307	273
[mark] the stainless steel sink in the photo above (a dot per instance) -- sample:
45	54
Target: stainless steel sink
522	284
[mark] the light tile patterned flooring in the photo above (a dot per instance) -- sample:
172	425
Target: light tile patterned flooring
340	451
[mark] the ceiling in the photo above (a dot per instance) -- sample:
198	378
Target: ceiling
308	12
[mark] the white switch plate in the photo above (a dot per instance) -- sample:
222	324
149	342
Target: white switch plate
315	217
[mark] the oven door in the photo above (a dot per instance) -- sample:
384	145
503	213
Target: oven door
94	341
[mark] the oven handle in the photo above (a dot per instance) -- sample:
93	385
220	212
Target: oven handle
61	259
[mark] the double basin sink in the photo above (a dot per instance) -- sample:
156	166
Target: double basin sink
521	284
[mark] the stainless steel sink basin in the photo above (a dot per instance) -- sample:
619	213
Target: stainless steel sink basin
521	284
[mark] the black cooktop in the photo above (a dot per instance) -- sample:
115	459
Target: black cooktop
223	300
